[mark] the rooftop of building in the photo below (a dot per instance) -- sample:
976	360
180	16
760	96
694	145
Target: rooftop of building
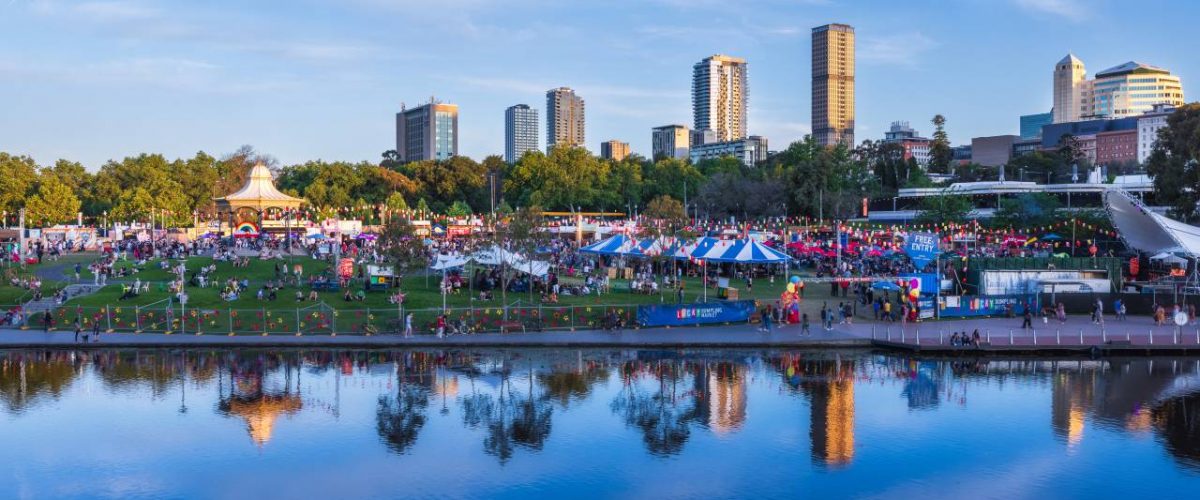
1129	68
724	58
834	27
1070	59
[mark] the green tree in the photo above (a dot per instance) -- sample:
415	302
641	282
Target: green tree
19	173
1173	162
665	208
402	247
459	209
52	203
395	201
1027	210
944	208
940	153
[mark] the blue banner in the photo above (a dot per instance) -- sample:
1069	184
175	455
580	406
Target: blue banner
921	248
989	305
695	314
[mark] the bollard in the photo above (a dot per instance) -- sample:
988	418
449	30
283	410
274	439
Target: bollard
1198	336
1035	337
1127	339
941	339
1081	336
1103	336
889	333
1057	337
107	319
989	336
901	335
1151	336
918	333
872	332
1175	337
1010	337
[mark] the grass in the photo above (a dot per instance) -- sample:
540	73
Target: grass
207	311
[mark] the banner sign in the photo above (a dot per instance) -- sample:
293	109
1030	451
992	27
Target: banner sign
988	305
695	314
926	283
921	248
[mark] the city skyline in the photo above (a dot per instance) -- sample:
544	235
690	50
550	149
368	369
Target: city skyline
165	78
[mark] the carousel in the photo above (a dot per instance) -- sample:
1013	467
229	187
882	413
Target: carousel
258	207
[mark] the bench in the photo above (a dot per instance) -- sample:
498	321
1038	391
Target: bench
508	326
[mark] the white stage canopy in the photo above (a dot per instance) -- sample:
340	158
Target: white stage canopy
1148	232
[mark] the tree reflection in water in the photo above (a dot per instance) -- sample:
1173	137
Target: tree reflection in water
664	414
400	417
510	419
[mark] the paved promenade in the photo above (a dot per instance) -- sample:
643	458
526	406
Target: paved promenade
999	335
714	336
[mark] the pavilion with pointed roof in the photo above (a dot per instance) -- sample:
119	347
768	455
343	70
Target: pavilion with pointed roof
258	199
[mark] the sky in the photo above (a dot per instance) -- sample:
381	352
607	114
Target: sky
303	80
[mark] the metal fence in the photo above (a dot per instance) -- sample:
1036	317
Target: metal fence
320	319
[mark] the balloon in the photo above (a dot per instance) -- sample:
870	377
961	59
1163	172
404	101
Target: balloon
795	279
791	288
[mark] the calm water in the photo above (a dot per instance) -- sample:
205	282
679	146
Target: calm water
567	423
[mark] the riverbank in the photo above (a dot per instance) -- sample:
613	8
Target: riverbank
1076	337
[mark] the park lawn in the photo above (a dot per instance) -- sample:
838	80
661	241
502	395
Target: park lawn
207	311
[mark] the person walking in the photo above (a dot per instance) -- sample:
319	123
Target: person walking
441	326
47	320
78	331
766	320
95	330
1027	323
408	331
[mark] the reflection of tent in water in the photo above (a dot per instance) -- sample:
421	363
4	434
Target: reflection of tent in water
260	409
921	392
261	412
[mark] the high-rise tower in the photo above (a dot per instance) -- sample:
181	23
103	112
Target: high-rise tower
833	84
719	96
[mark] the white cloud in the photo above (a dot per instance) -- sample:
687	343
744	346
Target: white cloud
902	49
1068	9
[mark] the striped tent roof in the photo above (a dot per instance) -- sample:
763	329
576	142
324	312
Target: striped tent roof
613	245
746	251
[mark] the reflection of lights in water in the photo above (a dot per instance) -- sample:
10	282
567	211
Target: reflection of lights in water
839	423
260	414
1140	421
446	385
1075	416
727	402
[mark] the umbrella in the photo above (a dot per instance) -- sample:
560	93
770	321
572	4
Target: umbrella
366	236
1052	237
315	236
886	285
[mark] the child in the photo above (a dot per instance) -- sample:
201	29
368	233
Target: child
804	324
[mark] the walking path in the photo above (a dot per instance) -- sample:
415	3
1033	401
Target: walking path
998	335
715	336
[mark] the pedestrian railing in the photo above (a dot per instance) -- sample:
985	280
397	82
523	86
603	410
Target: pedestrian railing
319	319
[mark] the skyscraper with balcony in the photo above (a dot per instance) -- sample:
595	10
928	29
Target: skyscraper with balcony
427	132
833	84
719	95
520	131
564	118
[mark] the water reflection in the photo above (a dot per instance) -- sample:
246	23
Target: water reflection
508	401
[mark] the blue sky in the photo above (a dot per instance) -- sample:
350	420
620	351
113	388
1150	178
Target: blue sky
322	79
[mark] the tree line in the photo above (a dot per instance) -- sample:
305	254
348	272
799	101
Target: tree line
805	179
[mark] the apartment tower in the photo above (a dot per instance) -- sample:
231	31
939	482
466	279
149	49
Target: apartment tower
833	84
564	118
719	95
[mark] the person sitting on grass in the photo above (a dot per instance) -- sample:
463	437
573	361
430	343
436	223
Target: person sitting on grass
360	296
312	295
299	296
346	296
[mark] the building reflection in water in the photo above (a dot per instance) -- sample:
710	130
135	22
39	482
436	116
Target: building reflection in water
828	385
509	397
250	398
